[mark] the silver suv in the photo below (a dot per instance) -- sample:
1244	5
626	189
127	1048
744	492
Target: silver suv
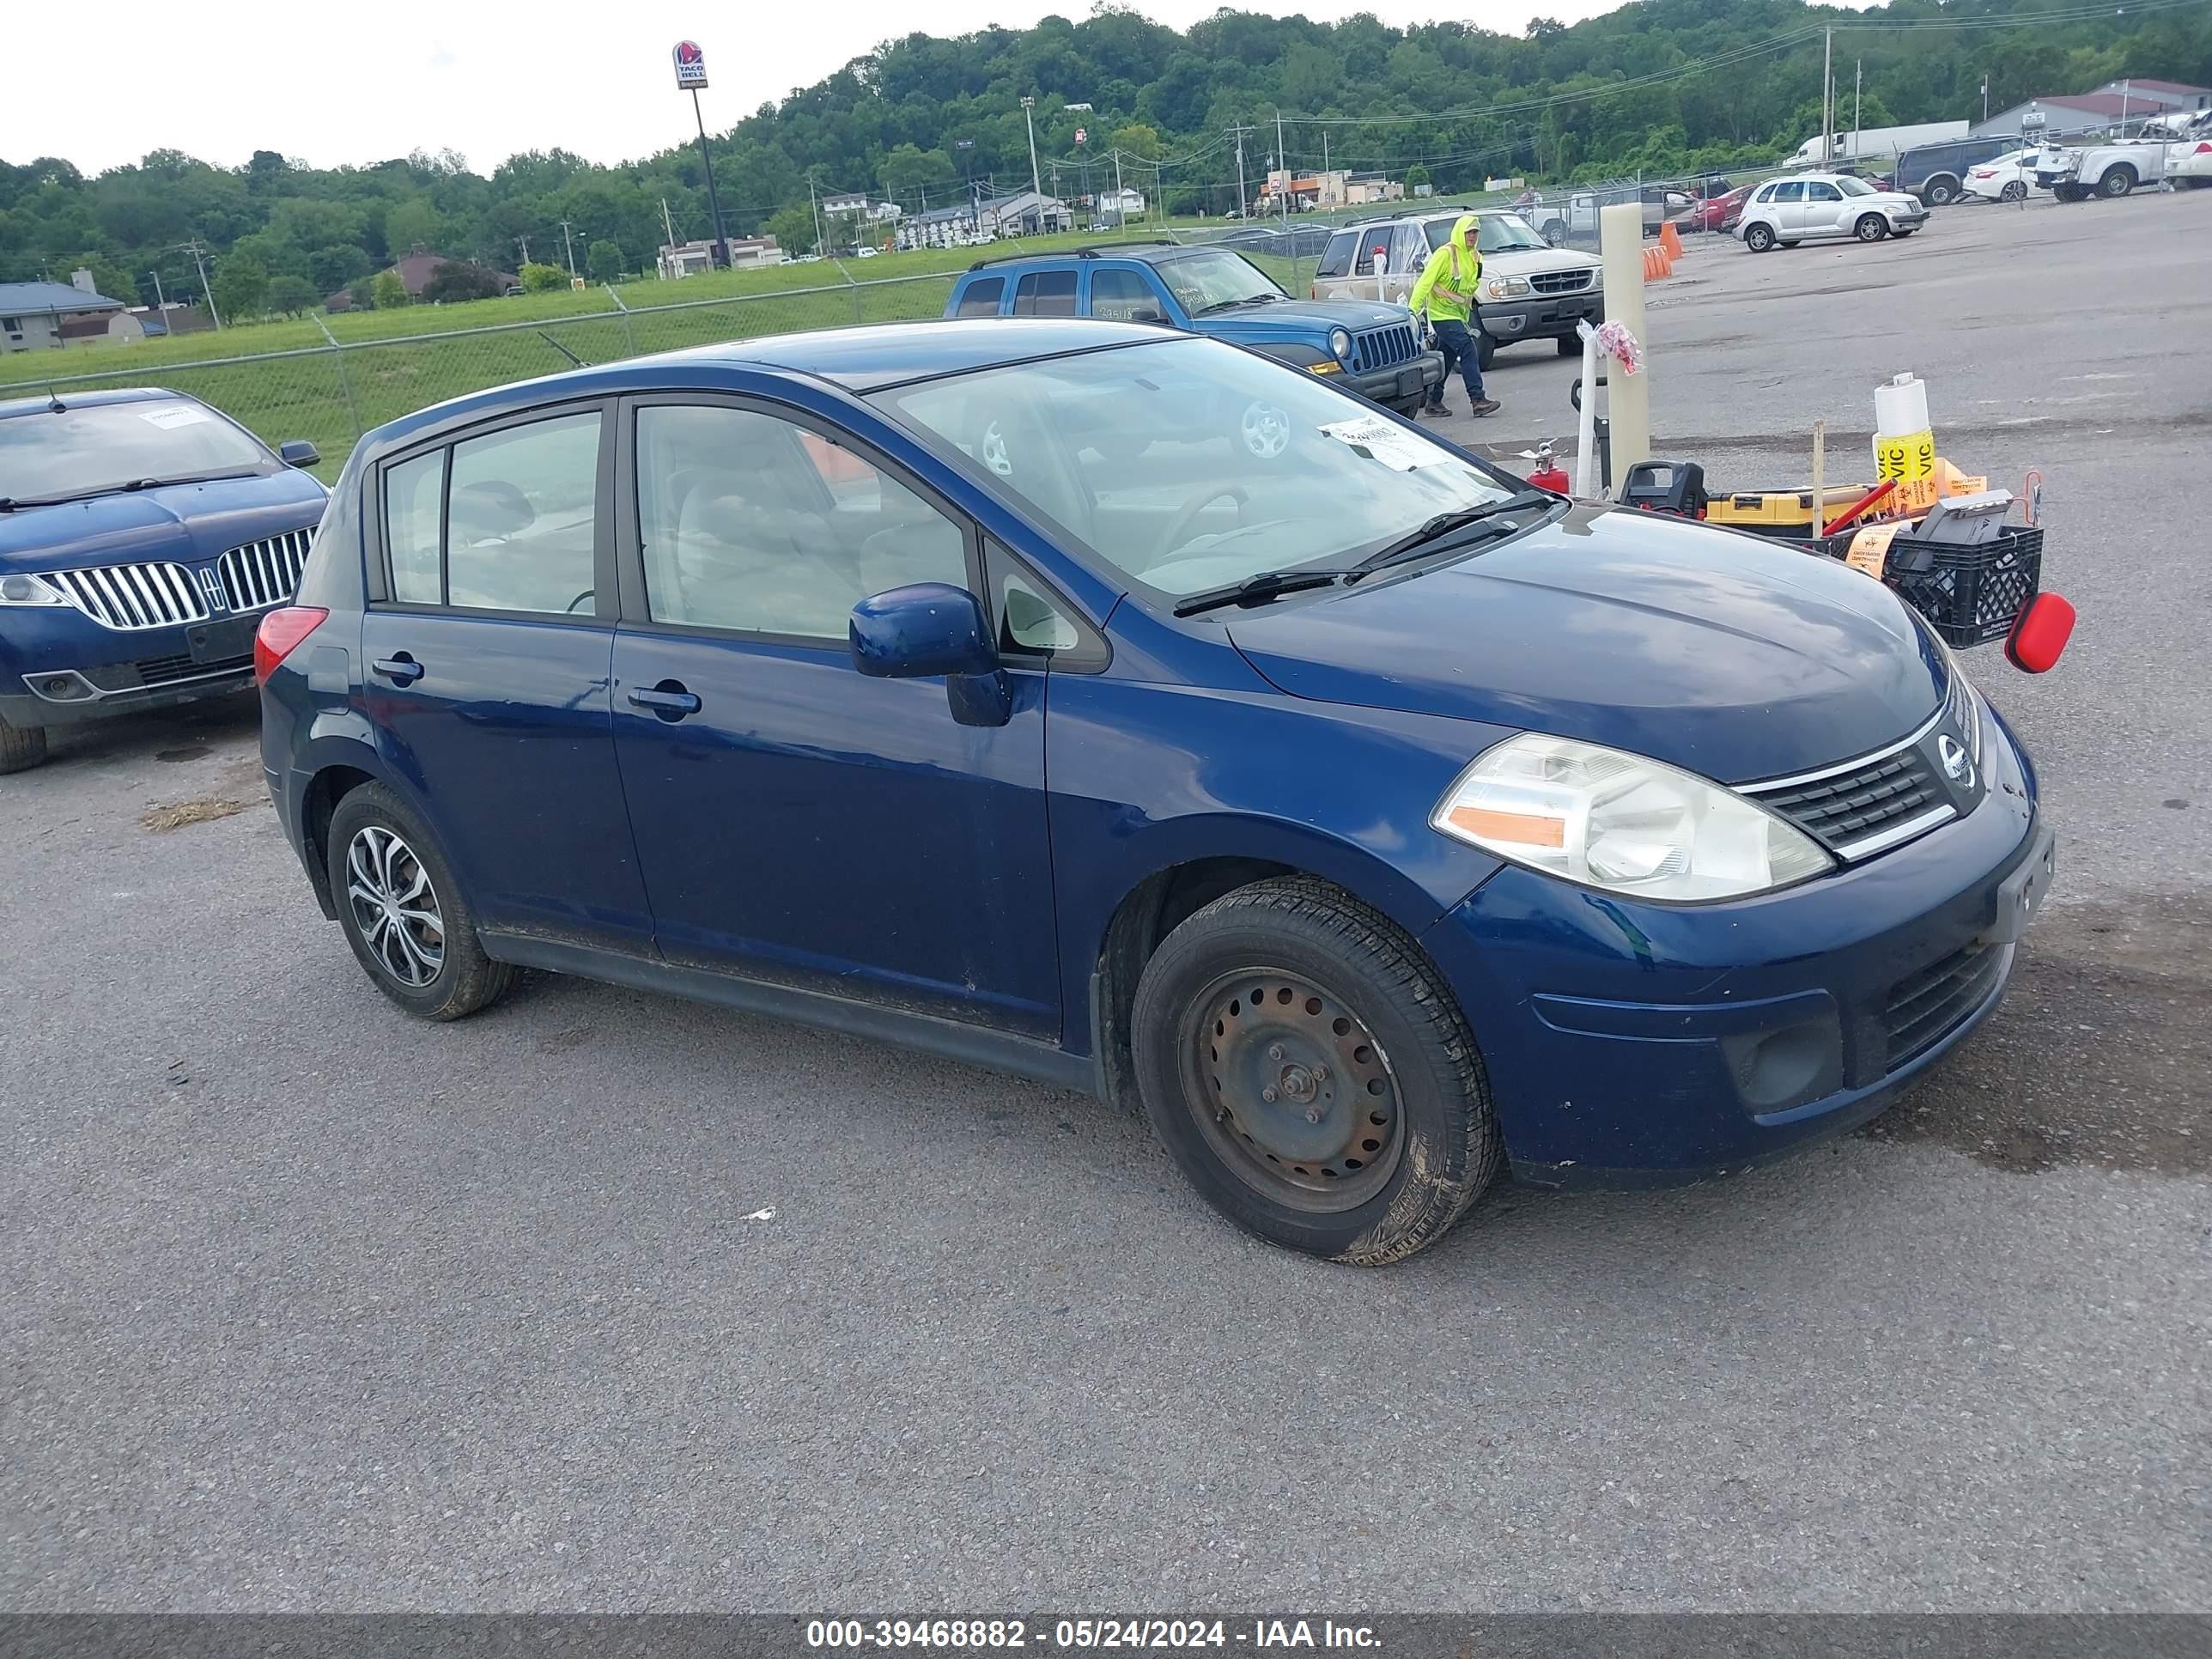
1808	206
1530	290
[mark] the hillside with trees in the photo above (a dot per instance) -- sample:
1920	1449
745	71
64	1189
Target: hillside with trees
1663	87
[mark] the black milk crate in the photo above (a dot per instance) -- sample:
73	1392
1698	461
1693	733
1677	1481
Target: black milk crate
1972	595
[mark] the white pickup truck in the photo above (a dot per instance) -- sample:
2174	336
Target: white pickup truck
2075	173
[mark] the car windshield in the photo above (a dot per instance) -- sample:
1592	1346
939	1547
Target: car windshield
90	449
1494	233
1188	464
1214	280
1851	186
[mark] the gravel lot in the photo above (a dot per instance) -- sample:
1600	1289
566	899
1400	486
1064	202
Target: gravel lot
603	1302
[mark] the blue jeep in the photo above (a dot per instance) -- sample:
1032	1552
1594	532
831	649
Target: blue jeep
1374	348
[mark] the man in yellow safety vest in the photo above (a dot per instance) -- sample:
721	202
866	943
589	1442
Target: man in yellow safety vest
1445	295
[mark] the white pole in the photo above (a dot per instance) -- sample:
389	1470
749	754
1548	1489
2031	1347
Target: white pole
1628	399
1028	108
1858	74
1586	479
1827	91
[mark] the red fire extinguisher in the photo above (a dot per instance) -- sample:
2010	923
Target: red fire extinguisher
1548	474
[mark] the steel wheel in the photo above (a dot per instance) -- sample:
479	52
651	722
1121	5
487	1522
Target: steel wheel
1291	1091
1873	228
395	906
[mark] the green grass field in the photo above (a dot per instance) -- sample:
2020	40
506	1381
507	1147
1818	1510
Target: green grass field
281	380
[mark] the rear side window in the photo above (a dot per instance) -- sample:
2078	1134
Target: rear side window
414	493
1046	294
981	298
507	521
1792	191
1118	295
1336	258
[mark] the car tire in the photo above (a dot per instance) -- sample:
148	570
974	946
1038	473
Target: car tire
1871	228
1376	1133
1792	242
1940	191
2014	191
2116	182
378	845
1759	238
1571	345
21	747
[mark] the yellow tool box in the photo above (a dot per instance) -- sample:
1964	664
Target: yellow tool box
1785	511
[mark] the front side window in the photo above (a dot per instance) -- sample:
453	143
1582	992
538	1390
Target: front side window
1249	466
753	524
89	449
521	518
1119	295
1046	294
1817	192
1216	281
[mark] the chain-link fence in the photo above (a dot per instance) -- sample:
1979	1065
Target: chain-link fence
331	394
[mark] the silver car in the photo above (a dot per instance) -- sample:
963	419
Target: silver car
1530	290
1810	206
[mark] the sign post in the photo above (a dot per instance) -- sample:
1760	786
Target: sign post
691	77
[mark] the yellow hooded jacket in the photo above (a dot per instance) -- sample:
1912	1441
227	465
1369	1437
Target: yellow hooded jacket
1446	290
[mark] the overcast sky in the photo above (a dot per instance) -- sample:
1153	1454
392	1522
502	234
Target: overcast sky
334	85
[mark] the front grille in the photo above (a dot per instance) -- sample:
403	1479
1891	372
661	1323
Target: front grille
263	573
1925	1007
163	670
1380	348
130	597
1844	809
1560	282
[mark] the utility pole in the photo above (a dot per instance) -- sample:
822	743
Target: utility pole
1858	74
2125	87
206	293
1282	169
161	300
815	206
1985	95
1827	93
1029	118
571	247
523	242
1120	213
1240	171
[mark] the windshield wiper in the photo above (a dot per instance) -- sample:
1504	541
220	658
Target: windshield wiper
1230	305
1258	590
128	486
1445	524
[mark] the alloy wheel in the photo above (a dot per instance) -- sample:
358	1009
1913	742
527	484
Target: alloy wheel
395	906
1291	1091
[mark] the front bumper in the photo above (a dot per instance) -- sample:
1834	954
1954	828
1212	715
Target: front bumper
1542	316
1630	1043
57	667
1400	382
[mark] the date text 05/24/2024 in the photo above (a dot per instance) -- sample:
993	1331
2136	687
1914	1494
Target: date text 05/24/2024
1079	1634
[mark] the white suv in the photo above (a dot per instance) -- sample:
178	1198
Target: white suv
1810	205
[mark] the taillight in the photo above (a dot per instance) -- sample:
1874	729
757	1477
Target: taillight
280	634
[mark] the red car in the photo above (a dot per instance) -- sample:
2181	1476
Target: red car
1721	212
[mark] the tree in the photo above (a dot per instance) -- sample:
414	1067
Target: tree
1416	176
362	292
602	262
538	278
793	228
294	296
389	290
412	224
241	286
336	266
451	280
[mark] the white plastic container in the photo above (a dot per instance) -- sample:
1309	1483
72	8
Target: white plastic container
1904	442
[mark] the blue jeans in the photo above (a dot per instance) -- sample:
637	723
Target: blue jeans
1458	346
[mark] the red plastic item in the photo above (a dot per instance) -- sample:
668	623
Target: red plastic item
1552	477
2038	637
280	633
1871	499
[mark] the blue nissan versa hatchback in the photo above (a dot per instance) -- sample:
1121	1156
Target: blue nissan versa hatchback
143	536
1373	819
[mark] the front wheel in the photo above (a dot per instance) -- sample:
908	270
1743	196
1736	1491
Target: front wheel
1759	238
1571	345
403	911
1871	228
1304	1066
21	747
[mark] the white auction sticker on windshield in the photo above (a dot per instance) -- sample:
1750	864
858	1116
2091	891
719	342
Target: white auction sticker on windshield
169	415
1385	442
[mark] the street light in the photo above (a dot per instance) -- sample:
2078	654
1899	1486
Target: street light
1029	106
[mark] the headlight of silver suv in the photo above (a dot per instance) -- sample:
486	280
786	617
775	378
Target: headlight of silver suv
30	590
1606	819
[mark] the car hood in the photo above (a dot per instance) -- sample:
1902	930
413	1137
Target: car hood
184	522
1532	261
1724	654
1313	316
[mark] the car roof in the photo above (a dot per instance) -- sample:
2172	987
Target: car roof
1150	253
42	403
858	360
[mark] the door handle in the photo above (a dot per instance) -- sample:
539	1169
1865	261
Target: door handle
669	699
402	670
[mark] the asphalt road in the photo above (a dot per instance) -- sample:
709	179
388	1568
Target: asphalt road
602	1302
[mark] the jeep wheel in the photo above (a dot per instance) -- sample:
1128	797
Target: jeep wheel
1305	1068
21	747
403	913
1940	191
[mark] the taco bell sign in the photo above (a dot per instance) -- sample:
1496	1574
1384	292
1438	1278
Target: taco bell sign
691	66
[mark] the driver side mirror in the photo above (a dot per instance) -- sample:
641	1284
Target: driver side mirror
1145	314
298	451
932	629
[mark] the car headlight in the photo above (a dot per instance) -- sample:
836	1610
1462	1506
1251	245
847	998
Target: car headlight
1606	820
1505	288
1340	342
30	590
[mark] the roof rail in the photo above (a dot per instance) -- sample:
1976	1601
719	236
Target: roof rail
1106	252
